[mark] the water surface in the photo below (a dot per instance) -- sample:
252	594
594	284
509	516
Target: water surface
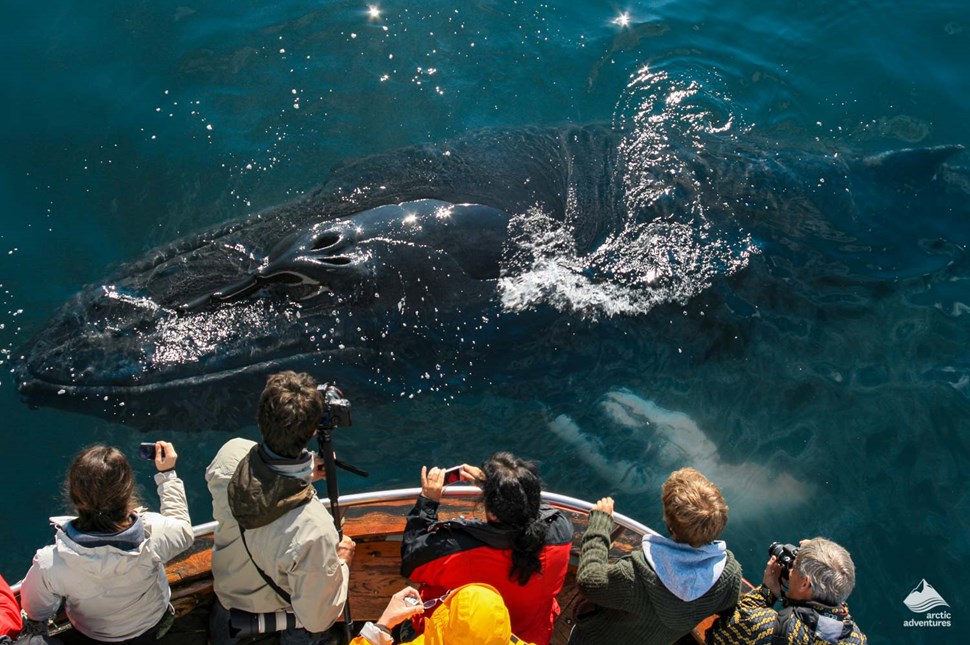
844	414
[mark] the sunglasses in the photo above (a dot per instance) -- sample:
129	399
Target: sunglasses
428	604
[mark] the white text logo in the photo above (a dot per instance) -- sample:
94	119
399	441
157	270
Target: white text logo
922	600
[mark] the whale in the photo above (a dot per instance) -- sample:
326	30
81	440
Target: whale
416	271
665	440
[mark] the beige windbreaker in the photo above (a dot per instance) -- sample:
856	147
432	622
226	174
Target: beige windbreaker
298	551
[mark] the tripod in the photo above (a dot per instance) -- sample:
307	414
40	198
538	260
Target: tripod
330	464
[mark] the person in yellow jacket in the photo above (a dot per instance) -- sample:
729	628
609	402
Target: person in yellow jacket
474	614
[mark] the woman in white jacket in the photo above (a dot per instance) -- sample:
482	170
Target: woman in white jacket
107	564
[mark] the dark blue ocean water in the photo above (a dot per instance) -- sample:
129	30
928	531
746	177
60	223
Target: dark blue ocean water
826	401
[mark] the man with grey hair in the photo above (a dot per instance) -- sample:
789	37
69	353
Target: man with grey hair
814	610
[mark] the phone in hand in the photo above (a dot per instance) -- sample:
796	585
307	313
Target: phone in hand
453	475
146	451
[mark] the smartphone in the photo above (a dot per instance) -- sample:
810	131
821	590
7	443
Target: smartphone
147	451
453	475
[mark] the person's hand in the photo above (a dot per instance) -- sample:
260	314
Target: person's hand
165	456
398	610
346	549
605	505
772	578
472	475
319	469
432	482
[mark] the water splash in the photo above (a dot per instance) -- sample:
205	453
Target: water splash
668	246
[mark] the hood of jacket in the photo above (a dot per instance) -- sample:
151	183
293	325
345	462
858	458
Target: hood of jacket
100	559
830	624
686	571
258	495
127	540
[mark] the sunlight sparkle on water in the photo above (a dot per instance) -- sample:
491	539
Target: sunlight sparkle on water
373	11
622	20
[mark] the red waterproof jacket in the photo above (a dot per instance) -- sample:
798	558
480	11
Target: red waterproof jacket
9	611
445	555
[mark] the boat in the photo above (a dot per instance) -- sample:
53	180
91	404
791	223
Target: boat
376	520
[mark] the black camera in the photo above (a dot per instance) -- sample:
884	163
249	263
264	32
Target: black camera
336	409
784	555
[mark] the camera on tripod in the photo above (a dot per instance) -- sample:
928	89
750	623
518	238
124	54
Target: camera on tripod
336	408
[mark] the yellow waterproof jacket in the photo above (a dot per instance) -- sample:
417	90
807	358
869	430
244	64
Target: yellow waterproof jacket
474	614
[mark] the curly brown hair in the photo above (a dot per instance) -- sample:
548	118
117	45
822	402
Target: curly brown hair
694	508
290	408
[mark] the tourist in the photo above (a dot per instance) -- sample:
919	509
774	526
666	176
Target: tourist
814	611
658	593
473	614
521	549
276	546
107	564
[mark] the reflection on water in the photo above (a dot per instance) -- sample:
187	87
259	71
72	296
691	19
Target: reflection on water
761	306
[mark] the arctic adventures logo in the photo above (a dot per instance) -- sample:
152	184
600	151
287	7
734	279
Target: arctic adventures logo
923	600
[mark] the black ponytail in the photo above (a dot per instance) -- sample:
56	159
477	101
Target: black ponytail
512	494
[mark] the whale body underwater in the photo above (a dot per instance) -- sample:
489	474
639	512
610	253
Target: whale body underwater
402	269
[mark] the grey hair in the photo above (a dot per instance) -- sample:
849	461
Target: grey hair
830	569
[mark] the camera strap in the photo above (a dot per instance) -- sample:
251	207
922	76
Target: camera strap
272	583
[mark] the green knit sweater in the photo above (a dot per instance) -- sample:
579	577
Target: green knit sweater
633	604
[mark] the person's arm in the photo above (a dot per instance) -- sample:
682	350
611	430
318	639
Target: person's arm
10	622
172	532
396	612
753	620
607	585
318	579
420	518
37	597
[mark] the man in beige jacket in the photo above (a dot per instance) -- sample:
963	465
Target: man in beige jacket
276	546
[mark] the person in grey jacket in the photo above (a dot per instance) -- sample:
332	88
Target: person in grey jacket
276	546
107	565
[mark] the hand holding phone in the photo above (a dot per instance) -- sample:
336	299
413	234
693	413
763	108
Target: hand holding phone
452	475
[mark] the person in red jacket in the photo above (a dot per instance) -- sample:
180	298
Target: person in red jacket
10	622
522	549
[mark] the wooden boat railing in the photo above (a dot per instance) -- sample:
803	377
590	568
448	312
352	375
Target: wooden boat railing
376	521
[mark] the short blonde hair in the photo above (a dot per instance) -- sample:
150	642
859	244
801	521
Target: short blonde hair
694	508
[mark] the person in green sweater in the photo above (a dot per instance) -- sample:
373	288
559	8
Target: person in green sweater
658	593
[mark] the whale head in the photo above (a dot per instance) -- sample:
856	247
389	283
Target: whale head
212	315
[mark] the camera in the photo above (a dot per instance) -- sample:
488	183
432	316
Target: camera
146	451
784	555
336	409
